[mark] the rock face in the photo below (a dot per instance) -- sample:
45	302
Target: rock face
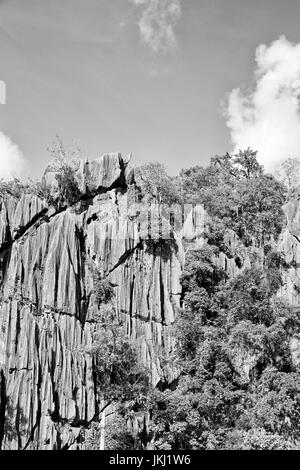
290	246
48	305
103	173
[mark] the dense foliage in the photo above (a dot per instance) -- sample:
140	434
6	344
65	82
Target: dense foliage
239	387
237	195
234	190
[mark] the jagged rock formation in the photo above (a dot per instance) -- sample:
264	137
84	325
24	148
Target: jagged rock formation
289	244
47	305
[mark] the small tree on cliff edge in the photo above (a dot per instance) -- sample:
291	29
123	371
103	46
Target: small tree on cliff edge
289	174
64	160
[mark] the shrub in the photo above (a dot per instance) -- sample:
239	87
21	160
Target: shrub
155	185
16	187
103	290
117	435
64	163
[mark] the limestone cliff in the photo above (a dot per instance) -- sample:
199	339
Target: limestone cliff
47	302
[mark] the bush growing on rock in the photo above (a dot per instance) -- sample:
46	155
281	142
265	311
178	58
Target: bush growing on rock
103	290
68	192
16	187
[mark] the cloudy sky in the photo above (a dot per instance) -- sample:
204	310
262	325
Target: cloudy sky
172	80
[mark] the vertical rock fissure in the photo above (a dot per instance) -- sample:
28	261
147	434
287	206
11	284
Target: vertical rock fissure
162	294
5	256
81	255
2	406
131	305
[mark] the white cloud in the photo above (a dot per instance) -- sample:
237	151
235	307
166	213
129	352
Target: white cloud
12	162
267	118
157	23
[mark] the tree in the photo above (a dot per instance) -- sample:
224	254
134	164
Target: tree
247	164
155	185
64	163
237	195
61	154
122	383
289	174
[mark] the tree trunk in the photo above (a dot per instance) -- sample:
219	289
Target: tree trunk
102	427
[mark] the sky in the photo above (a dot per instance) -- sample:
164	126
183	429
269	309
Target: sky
177	81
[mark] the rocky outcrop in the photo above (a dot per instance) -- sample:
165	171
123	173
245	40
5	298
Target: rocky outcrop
48	305
101	174
289	245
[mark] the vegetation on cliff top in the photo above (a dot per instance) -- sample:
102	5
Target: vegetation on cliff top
234	190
